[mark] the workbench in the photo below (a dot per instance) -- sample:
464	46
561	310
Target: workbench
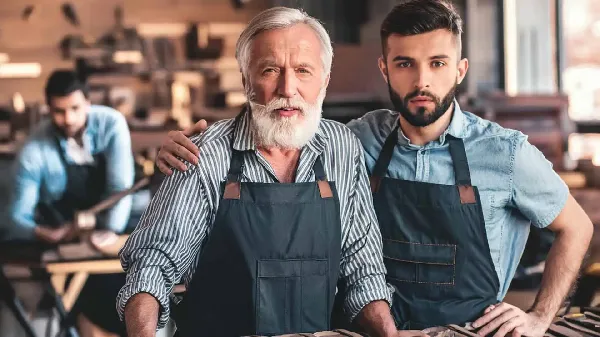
63	270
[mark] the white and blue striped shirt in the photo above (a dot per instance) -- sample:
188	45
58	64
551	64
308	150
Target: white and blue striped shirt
165	246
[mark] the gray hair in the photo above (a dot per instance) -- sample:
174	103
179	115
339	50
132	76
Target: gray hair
279	18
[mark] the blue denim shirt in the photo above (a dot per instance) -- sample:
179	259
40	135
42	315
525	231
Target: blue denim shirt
39	173
518	186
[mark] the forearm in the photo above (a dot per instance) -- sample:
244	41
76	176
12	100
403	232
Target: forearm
562	266
141	315
118	216
120	176
20	227
377	319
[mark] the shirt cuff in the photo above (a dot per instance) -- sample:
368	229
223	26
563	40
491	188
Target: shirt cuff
373	288
148	280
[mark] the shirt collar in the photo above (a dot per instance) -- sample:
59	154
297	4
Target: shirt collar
243	137
455	128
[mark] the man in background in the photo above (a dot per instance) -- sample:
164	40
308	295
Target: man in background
70	162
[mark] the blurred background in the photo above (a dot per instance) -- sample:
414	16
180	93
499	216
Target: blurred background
164	64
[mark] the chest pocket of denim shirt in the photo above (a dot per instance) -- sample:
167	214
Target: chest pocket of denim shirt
419	262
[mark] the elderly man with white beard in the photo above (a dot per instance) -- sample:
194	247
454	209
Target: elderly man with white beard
275	213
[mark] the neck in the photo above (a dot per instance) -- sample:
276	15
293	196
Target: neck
421	135
283	161
278	152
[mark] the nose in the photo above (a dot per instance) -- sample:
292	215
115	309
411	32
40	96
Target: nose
69	117
288	85
423	78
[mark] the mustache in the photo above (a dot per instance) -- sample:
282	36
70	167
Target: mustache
285	103
420	93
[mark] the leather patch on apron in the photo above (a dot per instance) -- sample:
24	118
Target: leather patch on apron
325	189
232	190
375	181
467	194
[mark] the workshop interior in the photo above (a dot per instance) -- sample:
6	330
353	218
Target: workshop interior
164	65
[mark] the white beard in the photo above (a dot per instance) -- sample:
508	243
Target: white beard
271	130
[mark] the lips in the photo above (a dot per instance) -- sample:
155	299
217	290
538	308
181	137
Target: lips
421	99
288	112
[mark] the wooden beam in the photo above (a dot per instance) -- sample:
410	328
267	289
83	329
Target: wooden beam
91	267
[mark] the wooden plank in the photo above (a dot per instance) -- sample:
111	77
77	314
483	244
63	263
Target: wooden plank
91	267
58	282
593	269
74	289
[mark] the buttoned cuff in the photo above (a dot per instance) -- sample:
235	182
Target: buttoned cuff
369	289
148	280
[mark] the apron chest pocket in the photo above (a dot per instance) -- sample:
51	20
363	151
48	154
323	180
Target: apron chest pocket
290	292
419	262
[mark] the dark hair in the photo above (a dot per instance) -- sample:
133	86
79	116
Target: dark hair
414	17
62	83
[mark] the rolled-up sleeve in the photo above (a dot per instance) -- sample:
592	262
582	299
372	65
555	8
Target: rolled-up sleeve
24	193
362	267
165	243
119	173
538	192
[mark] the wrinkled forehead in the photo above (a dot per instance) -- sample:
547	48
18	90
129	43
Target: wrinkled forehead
293	45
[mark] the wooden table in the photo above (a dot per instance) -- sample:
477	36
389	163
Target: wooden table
53	268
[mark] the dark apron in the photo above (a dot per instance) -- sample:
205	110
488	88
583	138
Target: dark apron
435	245
271	262
86	186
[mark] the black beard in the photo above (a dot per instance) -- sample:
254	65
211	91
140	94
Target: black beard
422	118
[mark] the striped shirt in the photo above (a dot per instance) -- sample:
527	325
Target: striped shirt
164	248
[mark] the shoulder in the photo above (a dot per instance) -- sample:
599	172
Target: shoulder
215	134
376	123
333	129
373	128
40	142
106	119
477	126
340	137
214	144
480	130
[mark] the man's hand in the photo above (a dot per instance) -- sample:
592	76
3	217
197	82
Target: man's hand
103	238
509	319
178	145
54	235
376	319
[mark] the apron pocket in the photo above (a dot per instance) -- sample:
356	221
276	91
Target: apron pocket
420	262
292	296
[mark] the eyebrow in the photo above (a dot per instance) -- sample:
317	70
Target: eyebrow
267	63
305	65
272	63
406	58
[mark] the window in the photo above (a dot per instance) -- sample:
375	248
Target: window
581	73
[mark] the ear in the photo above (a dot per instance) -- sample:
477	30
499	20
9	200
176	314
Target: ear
383	68
463	66
327	78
